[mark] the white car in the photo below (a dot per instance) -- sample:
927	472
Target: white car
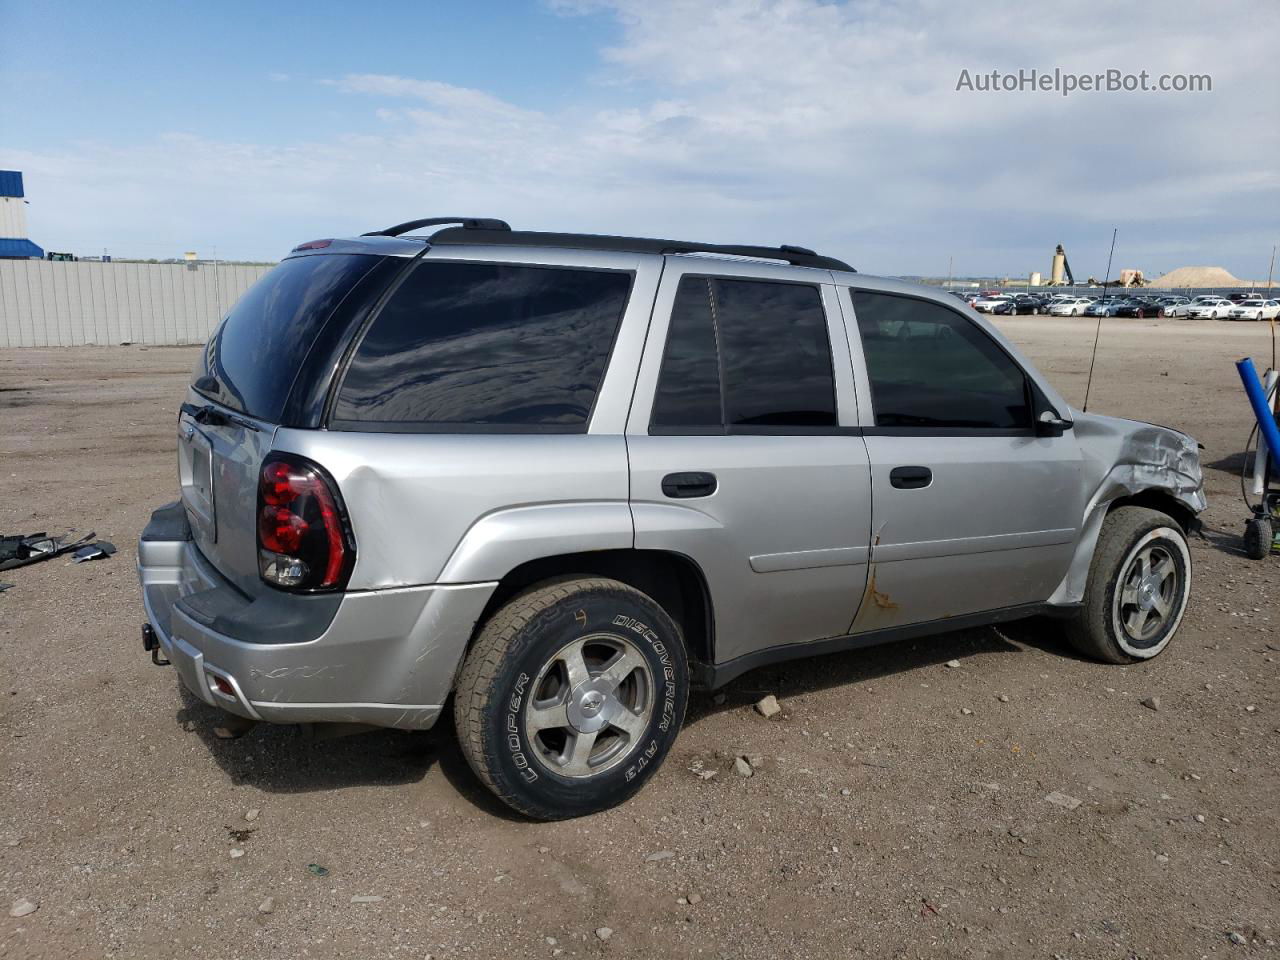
1173	306
1255	309
1208	307
988	304
1070	307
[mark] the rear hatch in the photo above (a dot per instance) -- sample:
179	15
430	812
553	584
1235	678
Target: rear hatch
240	393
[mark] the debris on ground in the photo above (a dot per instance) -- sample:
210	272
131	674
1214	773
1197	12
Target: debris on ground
5	586
20	550
1151	703
366	899
1059	799
23	908
768	706
267	906
604	933
316	870
660	855
98	550
952	664
741	767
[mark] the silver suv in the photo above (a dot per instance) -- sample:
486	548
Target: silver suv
565	478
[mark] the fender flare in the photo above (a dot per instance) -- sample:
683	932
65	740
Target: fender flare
499	542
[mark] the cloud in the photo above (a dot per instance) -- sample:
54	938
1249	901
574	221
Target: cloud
836	126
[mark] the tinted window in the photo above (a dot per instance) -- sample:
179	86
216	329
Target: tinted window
931	367
250	362
746	353
477	344
777	356
689	385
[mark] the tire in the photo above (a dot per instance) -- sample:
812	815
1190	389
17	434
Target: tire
539	681
1114	624
1258	534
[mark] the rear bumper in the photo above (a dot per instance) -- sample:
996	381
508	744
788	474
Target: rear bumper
382	657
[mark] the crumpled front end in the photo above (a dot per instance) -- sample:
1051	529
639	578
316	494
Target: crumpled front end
1126	458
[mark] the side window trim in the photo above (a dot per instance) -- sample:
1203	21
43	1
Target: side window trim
834	322
862	377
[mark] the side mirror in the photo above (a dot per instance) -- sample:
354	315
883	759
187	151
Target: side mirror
1049	424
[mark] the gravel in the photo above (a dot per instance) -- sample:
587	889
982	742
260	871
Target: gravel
122	841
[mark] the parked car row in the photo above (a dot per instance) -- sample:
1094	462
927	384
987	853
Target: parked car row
1239	306
1255	309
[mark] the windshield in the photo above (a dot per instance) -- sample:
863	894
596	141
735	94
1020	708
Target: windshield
250	362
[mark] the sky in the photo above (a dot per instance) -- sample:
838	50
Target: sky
240	129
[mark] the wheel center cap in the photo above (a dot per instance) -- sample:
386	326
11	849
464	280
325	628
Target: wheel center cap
590	707
1146	595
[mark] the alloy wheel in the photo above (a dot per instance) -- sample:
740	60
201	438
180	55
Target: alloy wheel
589	706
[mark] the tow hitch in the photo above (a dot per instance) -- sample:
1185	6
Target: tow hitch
151	643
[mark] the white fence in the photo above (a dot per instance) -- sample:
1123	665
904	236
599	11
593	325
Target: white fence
65	304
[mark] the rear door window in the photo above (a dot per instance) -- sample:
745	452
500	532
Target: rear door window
747	356
489	347
253	357
931	367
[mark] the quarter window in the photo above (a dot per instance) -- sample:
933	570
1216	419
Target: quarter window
746	354
929	366
486	345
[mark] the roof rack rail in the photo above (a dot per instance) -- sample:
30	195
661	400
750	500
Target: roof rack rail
478	232
469	223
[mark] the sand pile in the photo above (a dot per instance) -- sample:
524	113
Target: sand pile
1198	277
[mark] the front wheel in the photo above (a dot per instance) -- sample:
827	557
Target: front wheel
571	697
1139	582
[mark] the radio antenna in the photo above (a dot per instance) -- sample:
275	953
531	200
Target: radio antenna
1098	332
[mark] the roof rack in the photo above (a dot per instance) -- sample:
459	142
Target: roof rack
497	232
504	236
469	223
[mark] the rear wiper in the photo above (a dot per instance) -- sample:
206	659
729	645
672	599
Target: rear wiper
210	416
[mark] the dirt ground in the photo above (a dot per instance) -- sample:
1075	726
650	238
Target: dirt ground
885	820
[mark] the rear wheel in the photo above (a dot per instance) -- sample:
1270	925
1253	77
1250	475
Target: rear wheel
1138	587
571	697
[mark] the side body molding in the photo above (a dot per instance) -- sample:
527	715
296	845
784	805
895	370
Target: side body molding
501	541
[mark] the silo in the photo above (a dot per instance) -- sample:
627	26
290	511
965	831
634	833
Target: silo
1058	270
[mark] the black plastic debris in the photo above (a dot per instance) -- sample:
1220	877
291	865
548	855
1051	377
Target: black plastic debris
93	551
5	586
23	549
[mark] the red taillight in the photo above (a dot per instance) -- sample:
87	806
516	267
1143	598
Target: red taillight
312	245
304	542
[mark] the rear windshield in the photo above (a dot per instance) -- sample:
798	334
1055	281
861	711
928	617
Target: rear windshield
486	347
250	362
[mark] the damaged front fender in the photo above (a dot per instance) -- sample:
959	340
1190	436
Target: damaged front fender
1127	458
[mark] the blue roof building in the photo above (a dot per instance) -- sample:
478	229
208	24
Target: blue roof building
14	244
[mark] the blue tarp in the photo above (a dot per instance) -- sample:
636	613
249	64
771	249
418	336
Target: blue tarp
11	183
11	247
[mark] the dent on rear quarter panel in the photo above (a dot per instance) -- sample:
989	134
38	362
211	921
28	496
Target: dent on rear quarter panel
1123	458
416	500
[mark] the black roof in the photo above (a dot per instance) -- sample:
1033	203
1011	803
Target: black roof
479	230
